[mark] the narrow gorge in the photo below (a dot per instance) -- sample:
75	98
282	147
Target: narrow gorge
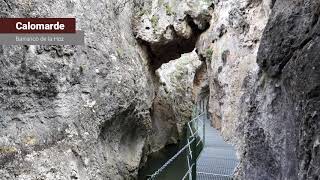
102	110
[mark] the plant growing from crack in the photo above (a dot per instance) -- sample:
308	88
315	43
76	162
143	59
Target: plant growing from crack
142	12
168	8
208	55
154	21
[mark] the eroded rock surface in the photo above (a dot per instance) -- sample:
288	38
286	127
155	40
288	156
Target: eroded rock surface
264	84
281	126
230	48
171	28
173	104
167	30
93	111
96	111
263	70
74	112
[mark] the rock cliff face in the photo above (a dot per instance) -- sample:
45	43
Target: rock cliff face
93	111
97	111
229	48
173	104
264	80
166	30
281	123
171	28
74	112
263	72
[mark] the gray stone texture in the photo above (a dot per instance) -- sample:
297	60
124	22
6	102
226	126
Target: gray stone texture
281	129
74	112
97	111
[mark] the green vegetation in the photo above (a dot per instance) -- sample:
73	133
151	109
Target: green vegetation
160	2
30	140
154	21
142	12
209	53
7	150
169	11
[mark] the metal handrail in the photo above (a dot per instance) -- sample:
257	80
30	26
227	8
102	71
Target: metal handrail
188	172
197	117
171	159
193	138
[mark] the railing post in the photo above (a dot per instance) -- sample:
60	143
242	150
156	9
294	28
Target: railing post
204	128
194	159
189	158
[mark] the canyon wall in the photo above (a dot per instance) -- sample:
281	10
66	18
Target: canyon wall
75	112
263	67
229	48
173	104
261	63
281	121
168	30
97	111
93	111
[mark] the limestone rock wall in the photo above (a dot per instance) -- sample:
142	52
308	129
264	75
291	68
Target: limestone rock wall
263	70
168	30
281	120
74	112
173	104
93	111
229	48
96	111
262	67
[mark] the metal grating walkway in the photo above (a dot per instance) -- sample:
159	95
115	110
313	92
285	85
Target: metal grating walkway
218	159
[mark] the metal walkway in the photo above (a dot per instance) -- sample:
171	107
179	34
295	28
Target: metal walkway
204	155
217	160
